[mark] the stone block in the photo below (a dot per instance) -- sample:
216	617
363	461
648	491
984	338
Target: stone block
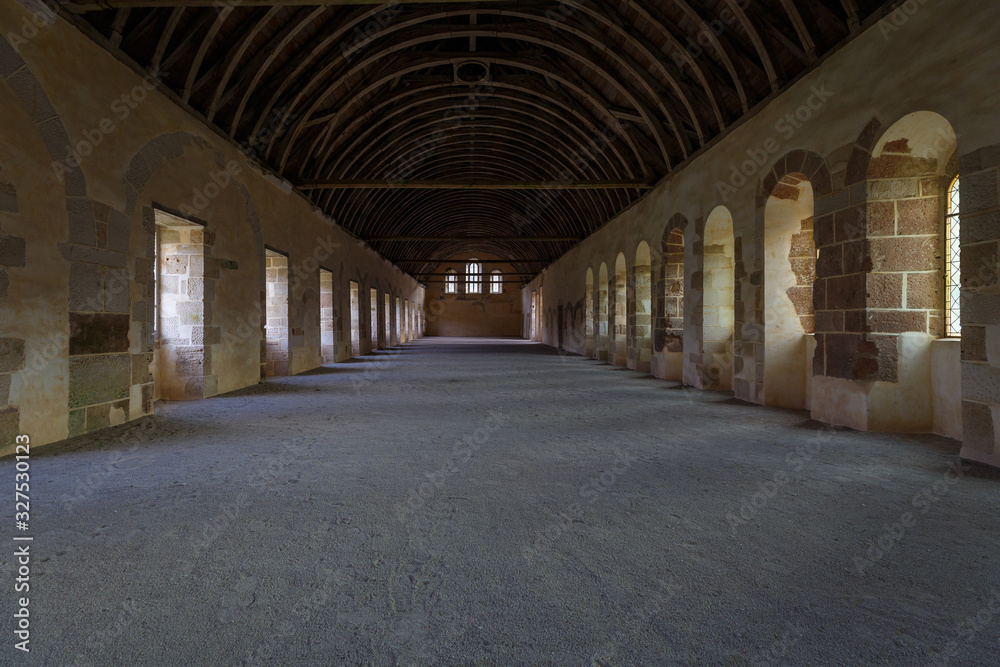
98	333
917	253
979	265
9	425
833	202
851	223
174	265
116	291
9	60
8	198
191	313
99	256
974	343
77	422
886	359
980	308
4	390
141	373
85	288
918	216
881	218
81	221
830	321
99	379
11	355
923	290
801	298
13	251
846	292
170	285
26	88
978	431
980	382
98	417
897	321
895	188
979	192
830	262
857	258
54	137
206	335
885	290
4	284
192	360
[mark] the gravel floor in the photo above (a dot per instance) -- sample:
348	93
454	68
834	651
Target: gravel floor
491	502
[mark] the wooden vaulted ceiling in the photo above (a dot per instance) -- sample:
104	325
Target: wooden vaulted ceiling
505	127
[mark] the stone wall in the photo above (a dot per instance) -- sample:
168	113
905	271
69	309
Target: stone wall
876	303
79	188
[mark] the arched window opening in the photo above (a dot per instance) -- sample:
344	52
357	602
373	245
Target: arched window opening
953	267
588	318
619	330
640	351
451	282
473	277
496	282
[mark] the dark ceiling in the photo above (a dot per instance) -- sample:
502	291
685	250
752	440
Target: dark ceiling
431	129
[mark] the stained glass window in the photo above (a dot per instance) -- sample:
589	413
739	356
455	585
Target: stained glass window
953	269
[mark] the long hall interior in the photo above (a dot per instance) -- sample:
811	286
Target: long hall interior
496	332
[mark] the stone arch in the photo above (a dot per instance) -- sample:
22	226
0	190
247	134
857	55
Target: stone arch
98	340
640	315
669	292
906	271
603	324
807	165
618	313
861	153
588	317
717	312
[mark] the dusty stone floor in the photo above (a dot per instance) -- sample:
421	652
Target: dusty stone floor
493	502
